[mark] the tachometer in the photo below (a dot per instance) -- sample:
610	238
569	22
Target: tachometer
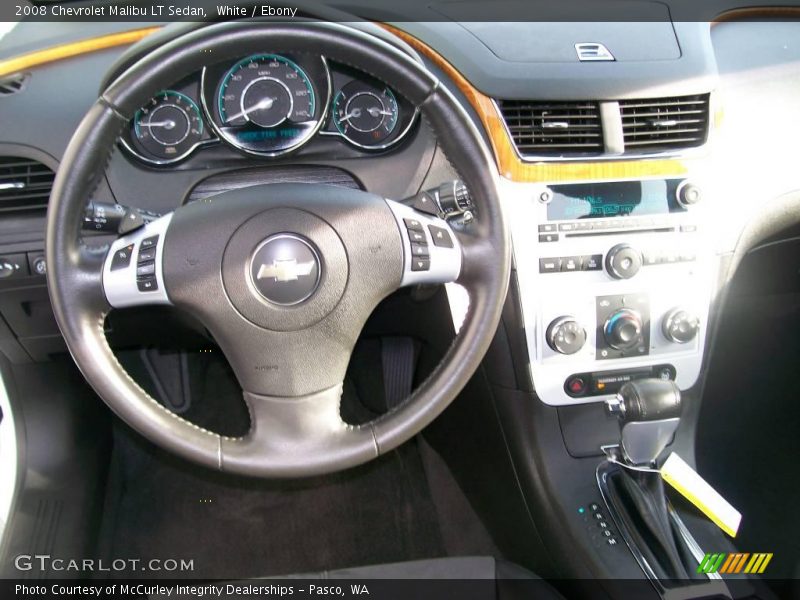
365	114
266	104
169	127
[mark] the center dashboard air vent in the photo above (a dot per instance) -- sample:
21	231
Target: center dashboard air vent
25	184
553	128
660	124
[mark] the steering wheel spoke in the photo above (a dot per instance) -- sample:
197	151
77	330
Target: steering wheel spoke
292	434
133	272
431	250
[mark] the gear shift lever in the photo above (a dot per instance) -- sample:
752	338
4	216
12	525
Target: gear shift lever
649	412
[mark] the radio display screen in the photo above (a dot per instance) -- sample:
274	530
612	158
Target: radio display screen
613	199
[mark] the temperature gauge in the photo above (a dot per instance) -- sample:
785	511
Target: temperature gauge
366	115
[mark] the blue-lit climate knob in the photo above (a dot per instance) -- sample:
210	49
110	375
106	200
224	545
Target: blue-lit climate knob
565	335
623	329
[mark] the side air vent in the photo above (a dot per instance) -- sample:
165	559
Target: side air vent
13	84
24	184
664	123
553	128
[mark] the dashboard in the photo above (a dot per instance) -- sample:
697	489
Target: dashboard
267	105
616	175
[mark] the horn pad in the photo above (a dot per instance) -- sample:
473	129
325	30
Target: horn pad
285	269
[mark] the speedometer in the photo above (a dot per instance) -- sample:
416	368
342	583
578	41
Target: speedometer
267	104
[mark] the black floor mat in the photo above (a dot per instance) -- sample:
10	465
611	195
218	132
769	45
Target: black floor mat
402	506
235	528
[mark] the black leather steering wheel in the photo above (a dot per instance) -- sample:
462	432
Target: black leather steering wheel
349	248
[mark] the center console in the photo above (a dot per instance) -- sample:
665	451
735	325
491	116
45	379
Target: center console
615	280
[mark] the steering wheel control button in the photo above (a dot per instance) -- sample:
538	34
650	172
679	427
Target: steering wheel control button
146	254
413	224
285	269
435	260
623	261
146	270
420	250
420	264
417	236
440	236
148	284
149	242
122	258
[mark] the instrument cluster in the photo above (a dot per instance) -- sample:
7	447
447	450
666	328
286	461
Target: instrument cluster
268	105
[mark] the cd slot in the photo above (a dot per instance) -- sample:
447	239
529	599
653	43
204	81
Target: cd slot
618	231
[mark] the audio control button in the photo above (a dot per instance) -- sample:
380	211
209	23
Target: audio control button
549	265
623	261
592	262
570	263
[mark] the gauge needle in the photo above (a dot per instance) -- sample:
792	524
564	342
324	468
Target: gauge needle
168	124
263	104
354	114
374	112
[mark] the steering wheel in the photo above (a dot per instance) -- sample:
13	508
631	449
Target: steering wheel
283	276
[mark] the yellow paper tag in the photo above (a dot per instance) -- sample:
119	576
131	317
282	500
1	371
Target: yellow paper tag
696	490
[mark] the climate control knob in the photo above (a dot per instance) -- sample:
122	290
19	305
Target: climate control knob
623	261
565	335
680	326
623	329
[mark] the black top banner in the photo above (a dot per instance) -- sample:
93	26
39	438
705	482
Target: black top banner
165	11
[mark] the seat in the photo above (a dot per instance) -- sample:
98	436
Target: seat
468	577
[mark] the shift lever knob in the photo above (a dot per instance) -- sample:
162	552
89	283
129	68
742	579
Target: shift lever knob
646	400
649	412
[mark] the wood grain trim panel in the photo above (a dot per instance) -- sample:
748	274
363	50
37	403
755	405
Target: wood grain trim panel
48	55
509	163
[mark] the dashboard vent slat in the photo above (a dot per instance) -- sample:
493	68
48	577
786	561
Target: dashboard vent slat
13	84
553	128
665	123
25	185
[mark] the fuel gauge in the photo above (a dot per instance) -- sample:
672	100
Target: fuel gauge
365	115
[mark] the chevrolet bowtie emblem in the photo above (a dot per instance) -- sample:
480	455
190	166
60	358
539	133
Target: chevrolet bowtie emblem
285	270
